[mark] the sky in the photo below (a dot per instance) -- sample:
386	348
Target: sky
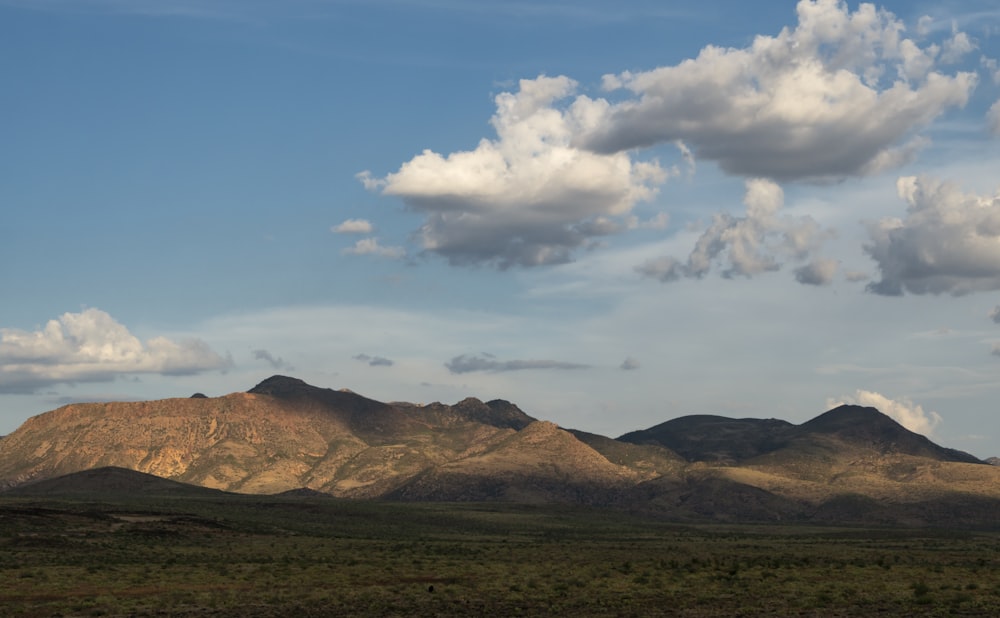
610	214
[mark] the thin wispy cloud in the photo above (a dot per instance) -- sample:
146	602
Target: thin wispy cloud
473	363
374	361
354	226
277	363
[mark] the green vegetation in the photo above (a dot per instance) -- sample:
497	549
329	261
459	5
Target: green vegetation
261	556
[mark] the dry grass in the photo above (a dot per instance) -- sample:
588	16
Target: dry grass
272	557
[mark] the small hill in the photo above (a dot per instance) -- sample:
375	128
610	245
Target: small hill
706	437
110	481
731	441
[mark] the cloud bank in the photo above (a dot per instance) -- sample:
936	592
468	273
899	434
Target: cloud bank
949	242
92	347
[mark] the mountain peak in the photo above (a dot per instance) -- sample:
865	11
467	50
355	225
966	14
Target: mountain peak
498	413
281	386
866	425
848	416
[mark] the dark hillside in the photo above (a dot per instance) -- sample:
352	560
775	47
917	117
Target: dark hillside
864	426
706	437
108	483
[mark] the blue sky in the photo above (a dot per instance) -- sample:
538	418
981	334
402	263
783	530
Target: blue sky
610	214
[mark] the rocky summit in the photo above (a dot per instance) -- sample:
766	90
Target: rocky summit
848	465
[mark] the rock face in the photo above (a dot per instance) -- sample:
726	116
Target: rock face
850	464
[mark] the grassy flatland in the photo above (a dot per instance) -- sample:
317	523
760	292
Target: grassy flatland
206	555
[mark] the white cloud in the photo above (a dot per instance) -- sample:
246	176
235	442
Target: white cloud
924	25
993	118
353	226
92	347
957	46
902	410
949	241
833	97
528	197
749	245
370	246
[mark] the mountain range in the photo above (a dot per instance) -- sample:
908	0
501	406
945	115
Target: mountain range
850	465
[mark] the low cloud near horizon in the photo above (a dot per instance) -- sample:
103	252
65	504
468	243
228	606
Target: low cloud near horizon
274	362
374	361
487	362
91	346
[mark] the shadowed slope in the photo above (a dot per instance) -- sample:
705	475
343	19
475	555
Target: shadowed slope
865	426
706	437
109	482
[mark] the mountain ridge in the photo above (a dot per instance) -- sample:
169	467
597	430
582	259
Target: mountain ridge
285	435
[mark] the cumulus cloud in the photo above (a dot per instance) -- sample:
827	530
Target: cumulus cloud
374	361
840	94
955	48
629	364
370	246
270	359
529	197
487	362
748	245
949	241
353	226
92	347
856	275
995	314
902	410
